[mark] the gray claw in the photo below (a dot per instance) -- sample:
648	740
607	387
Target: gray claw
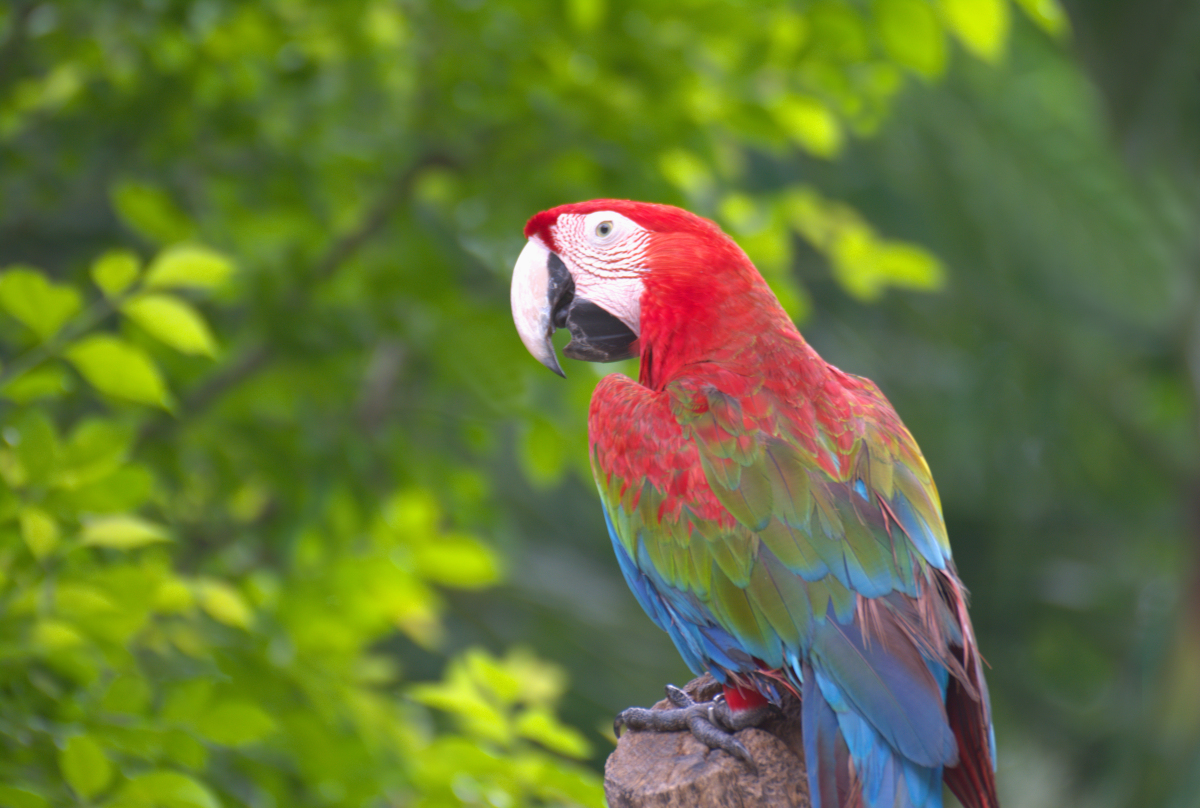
712	723
679	697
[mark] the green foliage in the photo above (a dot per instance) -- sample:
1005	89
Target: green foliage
132	681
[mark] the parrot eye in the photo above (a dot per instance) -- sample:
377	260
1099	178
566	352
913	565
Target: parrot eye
604	228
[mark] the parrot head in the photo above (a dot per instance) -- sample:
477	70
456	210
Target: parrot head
587	267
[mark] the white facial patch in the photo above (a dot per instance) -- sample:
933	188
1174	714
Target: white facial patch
606	254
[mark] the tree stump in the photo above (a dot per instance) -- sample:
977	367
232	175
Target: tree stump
674	770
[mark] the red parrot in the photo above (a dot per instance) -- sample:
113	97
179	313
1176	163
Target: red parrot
770	512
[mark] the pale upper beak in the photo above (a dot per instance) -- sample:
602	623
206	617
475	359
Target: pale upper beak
544	300
533	304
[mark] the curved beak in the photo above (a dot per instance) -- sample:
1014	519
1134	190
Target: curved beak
533	300
544	300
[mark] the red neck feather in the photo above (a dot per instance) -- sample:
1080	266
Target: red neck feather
705	302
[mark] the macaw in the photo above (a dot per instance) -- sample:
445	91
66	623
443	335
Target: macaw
769	511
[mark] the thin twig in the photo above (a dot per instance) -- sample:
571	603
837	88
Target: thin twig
258	357
90	318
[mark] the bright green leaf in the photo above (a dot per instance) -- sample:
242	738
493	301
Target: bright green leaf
122	532
85	766
164	789
457	560
186	702
911	34
188	265
492	675
585	15
114	271
13	797
981	25
36	445
39	530
48	381
542	726
541	682
173	322
119	369
809	123
185	750
150	212
127	694
1048	14
28	296
234	723
909	266
686	171
460	696
866	266
95	450
223	603
56	635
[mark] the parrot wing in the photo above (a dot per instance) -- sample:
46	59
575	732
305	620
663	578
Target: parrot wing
768	533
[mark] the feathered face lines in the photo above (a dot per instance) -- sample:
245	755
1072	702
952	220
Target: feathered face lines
618	254
581	271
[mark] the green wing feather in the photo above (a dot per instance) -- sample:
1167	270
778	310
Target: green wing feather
796	512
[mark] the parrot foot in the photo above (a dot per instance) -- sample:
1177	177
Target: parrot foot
713	722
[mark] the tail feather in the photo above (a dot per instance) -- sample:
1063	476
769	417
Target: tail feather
973	780
826	756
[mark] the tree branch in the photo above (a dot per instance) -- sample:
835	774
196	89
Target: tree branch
674	770
260	356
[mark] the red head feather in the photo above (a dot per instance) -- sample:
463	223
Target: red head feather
703	299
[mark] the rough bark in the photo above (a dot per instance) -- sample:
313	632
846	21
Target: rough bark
674	770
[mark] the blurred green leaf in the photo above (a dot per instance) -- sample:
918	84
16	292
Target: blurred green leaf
173	322
13	797
981	25
150	212
586	14
85	766
28	296
457	560
190	266
115	271
122	532
234	723
96	449
223	603
810	124
186	750
492	675
1048	14
866	267
164	789
39	530
187	701
37	446
119	369
47	381
911	34
540	725
129	694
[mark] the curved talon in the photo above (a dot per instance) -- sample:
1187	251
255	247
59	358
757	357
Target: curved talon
713	722
679	697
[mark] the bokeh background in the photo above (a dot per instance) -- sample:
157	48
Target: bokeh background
289	518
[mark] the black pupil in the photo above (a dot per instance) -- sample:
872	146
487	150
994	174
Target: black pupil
605	228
